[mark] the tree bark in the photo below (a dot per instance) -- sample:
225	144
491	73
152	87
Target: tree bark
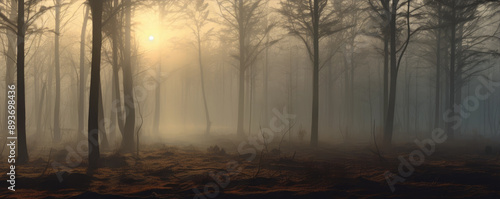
452	77
117	111
102	122
82	76
241	95
438	74
207	116
21	102
57	105
385	32
95	81
128	144
389	123
10	56
315	96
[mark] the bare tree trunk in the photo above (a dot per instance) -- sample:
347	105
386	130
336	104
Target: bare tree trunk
407	90
81	112
10	56
386	73
266	82
241	101
315	96
389	123
346	92
102	124
156	121
21	102
117	111
438	74
453	44
241	95
95	81
207	116
128	144
57	105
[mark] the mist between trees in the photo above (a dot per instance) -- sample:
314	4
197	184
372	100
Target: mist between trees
215	67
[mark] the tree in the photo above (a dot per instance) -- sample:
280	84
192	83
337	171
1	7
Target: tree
20	28
82	74
21	100
197	14
95	81
128	144
11	53
383	13
245	19
462	18
396	55
57	128
114	29
311	21
436	29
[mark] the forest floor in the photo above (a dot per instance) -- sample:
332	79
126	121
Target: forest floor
340	171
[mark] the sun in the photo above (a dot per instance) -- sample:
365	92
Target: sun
151	38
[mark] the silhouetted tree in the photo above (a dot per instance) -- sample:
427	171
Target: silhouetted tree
95	81
82	77
57	105
197	14
20	28
21	99
245	17
311	21
128	144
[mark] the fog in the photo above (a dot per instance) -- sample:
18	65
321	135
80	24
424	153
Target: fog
220	73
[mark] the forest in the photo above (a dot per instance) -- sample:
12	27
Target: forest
250	98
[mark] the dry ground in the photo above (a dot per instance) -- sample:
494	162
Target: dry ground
340	171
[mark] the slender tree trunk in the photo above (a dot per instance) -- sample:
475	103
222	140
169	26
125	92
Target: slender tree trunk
451	97
389	123
243	66
346	92
266	81
102	124
202	79
10	57
407	90
156	121
386	72
128	144
315	96
250	98
241	101
116	106
112	113
21	102
57	130
438	75
81	112
459	64
40	107
117	101
95	81
351	85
